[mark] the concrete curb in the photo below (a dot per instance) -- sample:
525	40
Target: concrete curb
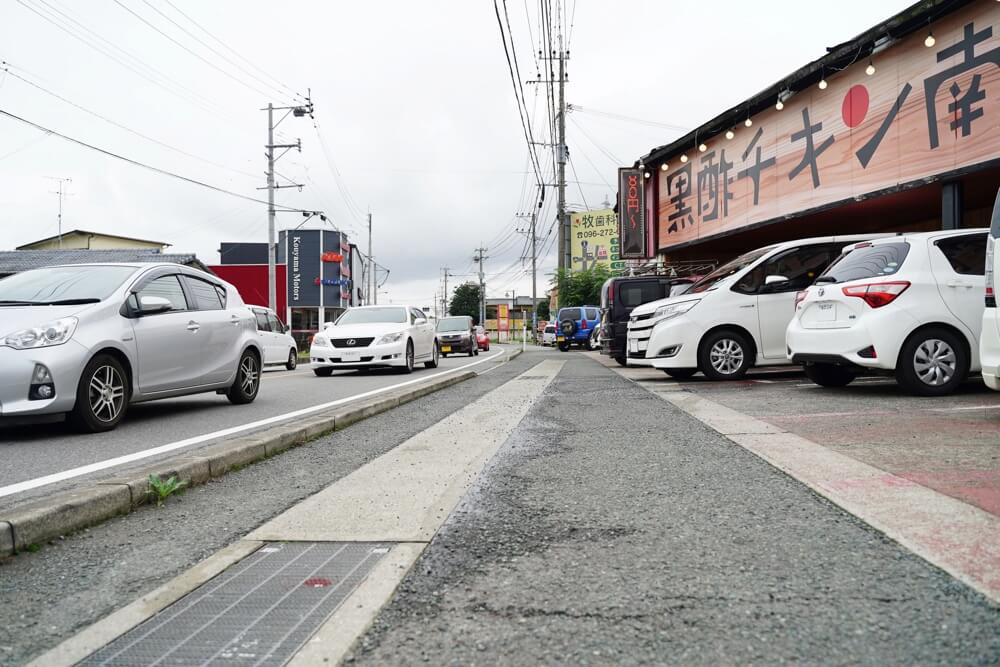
65	512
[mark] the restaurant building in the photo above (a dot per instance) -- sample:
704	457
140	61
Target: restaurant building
895	130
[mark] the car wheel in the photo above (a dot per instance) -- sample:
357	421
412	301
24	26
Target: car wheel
830	375
323	372
247	383
725	355
102	396
568	328
680	373
622	360
564	347
293	360
408	368
933	362
433	363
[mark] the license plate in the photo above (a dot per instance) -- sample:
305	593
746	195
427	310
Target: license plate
826	312
560	339
633	346
351	355
446	348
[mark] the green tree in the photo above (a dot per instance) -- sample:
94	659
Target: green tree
466	301
543	309
581	288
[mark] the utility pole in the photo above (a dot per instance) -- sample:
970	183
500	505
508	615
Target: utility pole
444	300
371	262
534	270
298	112
565	260
61	195
482	286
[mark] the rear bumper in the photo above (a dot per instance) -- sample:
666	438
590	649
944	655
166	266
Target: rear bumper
456	346
989	349
884	331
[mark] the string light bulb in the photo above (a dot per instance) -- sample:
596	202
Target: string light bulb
646	175
748	122
930	41
730	134
684	157
664	166
823	84
871	68
702	148
780	105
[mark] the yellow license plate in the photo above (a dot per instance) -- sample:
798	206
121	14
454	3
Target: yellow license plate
560	338
446	348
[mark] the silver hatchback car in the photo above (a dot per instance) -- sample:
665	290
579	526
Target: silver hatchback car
89	339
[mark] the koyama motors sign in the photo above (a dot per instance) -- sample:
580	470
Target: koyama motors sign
923	112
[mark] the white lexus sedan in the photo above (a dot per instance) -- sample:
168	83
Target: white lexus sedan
375	336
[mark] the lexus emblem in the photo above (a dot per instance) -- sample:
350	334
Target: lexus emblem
350	342
821	292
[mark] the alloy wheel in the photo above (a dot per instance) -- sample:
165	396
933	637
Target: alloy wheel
726	356
409	357
107	393
935	362
249	375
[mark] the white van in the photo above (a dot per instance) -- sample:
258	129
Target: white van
736	316
279	346
989	342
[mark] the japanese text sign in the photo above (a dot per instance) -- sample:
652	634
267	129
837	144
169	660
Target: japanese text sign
632	213
594	240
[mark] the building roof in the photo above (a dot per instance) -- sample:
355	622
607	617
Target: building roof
878	38
15	261
89	233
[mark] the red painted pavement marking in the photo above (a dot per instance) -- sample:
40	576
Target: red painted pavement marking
317	582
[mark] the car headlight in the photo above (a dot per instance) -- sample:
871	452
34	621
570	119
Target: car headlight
321	341
674	309
391	338
52	333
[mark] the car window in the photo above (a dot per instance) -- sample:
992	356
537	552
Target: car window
550	328
262	323
592	314
868	261
800	265
966	253
166	287
206	297
276	325
372	314
569	314
417	315
222	295
635	294
726	270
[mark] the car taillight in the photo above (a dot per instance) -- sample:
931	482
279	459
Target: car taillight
877	295
991	299
800	297
583	323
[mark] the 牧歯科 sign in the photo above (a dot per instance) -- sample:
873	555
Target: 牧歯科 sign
594	240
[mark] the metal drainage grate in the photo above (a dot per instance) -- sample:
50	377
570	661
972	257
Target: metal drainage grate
258	612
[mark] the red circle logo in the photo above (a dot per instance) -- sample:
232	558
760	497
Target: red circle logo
855	106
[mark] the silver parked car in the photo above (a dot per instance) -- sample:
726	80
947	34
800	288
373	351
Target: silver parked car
89	339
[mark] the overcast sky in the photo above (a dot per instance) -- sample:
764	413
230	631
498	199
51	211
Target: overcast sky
413	102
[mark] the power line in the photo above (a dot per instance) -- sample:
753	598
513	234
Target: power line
5	66
606	152
136	163
627	119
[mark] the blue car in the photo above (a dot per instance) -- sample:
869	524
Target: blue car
576	326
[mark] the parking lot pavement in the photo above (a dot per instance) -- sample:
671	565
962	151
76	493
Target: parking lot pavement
950	444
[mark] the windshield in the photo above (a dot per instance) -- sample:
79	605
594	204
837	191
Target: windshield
64	284
393	315
883	259
729	269
453	324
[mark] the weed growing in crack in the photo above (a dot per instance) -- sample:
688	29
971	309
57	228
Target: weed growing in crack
161	489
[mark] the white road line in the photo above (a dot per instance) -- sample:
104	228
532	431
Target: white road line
45	480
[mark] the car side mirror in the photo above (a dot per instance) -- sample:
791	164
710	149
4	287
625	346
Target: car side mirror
420	320
774	283
150	305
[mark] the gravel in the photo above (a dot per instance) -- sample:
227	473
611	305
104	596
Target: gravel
614	529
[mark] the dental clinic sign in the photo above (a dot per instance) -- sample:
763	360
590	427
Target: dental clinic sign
923	112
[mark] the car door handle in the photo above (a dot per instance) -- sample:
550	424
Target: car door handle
193	326
234	320
958	283
749	305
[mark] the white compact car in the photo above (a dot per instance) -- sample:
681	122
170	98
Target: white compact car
549	335
989	342
736	316
912	304
373	336
279	346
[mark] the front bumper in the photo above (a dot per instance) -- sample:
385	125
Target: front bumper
65	362
666	343
389	354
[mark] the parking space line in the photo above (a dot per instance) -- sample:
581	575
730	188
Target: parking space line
64	475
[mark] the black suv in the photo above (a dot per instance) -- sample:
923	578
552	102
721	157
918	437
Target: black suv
620	295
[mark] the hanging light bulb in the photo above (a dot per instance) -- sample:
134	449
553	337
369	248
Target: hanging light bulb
646	175
664	166
684	157
730	134
929	42
702	147
822	84
780	105
871	68
748	122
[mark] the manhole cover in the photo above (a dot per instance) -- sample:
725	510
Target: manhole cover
258	612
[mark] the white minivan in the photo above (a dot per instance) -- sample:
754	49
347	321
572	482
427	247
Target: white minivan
736	316
279	346
911	304
989	343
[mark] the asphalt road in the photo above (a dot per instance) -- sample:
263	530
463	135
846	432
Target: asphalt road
35	451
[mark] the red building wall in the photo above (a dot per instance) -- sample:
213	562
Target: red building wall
250	280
